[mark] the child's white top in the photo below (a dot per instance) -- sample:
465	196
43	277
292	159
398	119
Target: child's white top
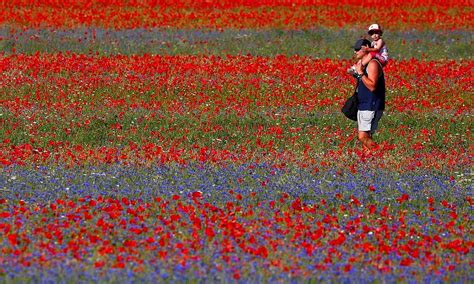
383	50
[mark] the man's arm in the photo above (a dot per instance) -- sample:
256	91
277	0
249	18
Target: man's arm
370	80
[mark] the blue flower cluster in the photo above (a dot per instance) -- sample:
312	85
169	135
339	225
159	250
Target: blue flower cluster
255	182
44	183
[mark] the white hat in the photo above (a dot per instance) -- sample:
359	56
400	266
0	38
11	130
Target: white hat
374	28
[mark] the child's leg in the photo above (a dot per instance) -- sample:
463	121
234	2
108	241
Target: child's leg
381	59
367	59
352	69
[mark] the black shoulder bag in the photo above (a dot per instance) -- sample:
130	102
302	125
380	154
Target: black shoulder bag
350	107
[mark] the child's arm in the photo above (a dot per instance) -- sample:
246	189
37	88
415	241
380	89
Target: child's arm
378	45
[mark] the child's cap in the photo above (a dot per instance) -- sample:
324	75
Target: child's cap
360	43
374	28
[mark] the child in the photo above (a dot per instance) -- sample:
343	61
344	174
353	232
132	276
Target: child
377	50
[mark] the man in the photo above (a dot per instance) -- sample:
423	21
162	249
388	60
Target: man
371	95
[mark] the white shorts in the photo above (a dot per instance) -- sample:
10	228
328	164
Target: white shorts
368	120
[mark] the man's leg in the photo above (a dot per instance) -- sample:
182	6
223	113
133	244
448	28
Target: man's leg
366	139
367	123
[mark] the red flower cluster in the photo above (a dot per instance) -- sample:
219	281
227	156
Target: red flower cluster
232	83
141	109
279	234
297	14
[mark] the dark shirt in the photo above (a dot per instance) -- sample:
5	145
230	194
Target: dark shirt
369	100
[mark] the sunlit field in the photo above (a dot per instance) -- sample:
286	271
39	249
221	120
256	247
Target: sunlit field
202	141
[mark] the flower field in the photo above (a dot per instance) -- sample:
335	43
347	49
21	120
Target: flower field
202	141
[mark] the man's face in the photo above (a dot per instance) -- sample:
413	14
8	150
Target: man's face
359	53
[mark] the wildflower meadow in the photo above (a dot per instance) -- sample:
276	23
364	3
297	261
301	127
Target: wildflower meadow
202	141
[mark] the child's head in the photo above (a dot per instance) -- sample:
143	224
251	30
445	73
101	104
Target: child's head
375	31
